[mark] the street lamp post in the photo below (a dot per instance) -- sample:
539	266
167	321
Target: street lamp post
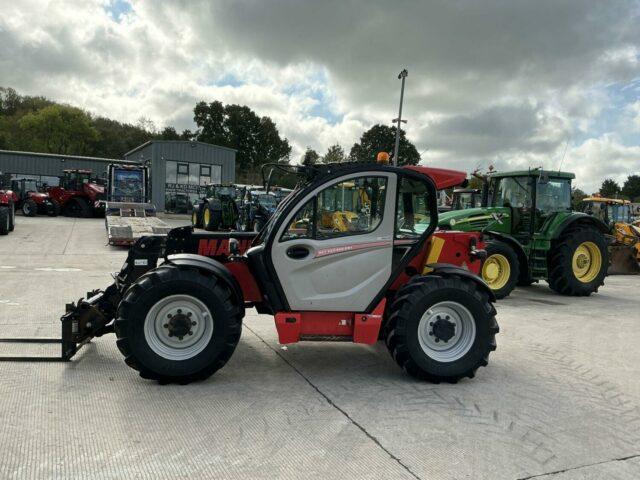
402	76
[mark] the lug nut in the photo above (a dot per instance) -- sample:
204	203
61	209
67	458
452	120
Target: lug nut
193	323
180	338
190	332
431	334
188	314
166	325
169	316
170	334
437	339
431	324
179	311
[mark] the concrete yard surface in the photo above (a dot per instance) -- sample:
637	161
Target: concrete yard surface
559	400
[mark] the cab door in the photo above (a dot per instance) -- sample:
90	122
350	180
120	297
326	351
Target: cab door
334	252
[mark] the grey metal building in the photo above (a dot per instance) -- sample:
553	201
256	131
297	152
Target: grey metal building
179	169
47	167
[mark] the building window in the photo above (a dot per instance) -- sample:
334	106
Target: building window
183	174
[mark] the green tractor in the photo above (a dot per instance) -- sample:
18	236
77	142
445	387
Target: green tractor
218	209
532	234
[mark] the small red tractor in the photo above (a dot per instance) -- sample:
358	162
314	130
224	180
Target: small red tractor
7	211
178	302
77	195
30	200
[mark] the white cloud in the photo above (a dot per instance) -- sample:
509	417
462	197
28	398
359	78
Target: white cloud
496	82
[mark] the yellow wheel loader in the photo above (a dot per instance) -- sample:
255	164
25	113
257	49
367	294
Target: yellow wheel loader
625	249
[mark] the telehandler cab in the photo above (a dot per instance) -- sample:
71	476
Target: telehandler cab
178	302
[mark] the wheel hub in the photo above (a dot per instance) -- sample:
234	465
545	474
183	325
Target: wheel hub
443	329
179	325
446	331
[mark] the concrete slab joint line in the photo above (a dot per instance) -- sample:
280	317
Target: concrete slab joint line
332	403
556	472
73	226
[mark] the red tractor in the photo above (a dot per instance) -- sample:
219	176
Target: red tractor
77	195
177	304
7	211
30	200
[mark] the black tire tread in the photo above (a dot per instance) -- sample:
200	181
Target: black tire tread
169	272
561	253
406	297
5	215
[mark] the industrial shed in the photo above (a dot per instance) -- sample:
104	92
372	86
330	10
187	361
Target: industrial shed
179	169
47	167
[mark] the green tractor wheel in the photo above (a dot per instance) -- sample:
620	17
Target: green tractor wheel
578	261
501	269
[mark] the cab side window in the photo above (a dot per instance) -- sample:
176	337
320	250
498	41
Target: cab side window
413	215
349	207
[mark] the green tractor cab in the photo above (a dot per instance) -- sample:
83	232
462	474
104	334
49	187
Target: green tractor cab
533	234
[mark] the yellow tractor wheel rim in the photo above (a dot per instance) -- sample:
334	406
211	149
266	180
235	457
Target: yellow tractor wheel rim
207	217
586	262
496	271
194	218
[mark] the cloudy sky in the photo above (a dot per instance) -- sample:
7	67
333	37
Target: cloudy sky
510	83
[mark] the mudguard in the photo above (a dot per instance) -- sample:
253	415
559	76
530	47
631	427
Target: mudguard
581	218
215	268
445	269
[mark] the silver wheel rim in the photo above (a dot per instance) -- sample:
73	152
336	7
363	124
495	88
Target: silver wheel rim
158	329
461	341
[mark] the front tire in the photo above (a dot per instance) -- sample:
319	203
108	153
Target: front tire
29	208
54	209
578	262
441	328
209	220
158	312
501	269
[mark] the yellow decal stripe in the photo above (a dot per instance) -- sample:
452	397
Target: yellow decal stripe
435	249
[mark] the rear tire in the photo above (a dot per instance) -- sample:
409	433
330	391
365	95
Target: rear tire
5	220
79	208
411	333
501	269
143	335
29	208
578	261
12	217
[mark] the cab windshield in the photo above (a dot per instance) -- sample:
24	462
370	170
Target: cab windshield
267	200
554	196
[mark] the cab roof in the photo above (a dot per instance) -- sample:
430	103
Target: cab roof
442	177
534	172
596	198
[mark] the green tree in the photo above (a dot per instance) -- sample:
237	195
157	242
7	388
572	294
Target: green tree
256	139
576	198
335	154
631	188
116	139
381	138
59	129
609	188
310	157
